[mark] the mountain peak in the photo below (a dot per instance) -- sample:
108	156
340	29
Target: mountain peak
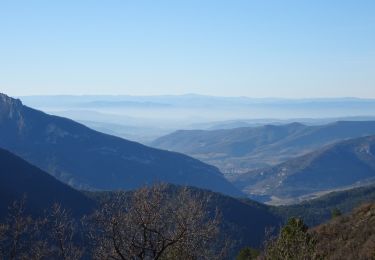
85	158
11	109
8	105
5	99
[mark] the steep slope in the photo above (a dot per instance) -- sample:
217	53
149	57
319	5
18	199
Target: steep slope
335	166
350	236
241	149
19	179
88	159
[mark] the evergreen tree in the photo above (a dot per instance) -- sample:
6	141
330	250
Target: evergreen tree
248	253
335	213
293	242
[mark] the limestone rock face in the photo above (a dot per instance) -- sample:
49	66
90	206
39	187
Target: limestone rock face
11	110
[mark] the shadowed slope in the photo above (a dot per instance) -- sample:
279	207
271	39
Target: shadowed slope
19	178
87	159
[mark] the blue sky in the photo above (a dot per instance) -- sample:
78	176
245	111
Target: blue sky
256	48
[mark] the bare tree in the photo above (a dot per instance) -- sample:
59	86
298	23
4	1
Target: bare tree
150	223
3	231
24	237
61	230
153	224
16	232
20	236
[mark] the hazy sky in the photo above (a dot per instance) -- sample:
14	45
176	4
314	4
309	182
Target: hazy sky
256	48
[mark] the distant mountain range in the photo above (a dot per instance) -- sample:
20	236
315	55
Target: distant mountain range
164	114
87	159
195	100
20	180
239	150
335	166
238	123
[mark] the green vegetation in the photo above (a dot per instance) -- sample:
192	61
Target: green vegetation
248	253
350	236
336	213
293	242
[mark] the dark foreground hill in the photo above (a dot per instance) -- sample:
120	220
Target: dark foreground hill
350	236
341	165
87	159
243	222
19	179
241	149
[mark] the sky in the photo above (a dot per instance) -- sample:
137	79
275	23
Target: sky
255	48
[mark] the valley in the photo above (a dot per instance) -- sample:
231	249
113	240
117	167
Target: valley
300	167
280	163
187	130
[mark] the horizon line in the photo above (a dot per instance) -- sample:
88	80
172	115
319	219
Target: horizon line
195	94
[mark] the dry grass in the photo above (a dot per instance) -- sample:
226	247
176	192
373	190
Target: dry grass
350	236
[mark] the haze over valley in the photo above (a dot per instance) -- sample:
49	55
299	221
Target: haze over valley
145	118
256	157
187	130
